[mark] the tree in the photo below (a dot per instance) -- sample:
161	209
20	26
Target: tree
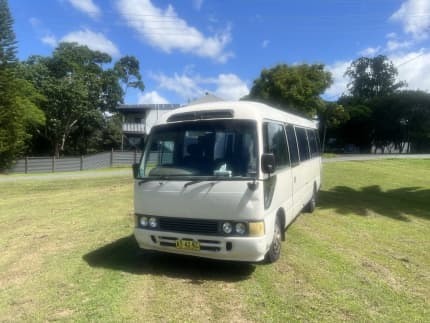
402	118
127	69
19	112
372	77
331	115
296	87
80	94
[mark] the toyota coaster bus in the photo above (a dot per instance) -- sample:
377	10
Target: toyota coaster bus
223	180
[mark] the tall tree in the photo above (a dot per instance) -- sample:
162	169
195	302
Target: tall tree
80	93
292	87
19	112
372	77
127	69
331	116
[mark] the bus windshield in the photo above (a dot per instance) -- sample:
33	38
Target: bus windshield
221	148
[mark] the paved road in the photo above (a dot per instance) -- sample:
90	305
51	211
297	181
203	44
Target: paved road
373	156
54	176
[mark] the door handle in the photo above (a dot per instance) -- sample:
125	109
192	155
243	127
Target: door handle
294	179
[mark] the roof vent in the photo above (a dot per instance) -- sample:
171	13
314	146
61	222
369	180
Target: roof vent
201	115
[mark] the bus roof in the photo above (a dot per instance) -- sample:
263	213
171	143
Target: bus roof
243	110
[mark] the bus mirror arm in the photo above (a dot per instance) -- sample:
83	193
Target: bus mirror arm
135	170
253	185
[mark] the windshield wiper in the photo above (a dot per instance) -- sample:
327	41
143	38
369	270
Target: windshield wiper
145	180
194	182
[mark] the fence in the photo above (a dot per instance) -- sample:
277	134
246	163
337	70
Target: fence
29	165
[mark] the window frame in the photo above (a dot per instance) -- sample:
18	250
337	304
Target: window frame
264	137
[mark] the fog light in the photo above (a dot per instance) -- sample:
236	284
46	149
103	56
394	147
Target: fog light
143	221
153	223
240	228
227	227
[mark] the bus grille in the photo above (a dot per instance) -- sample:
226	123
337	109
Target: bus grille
188	225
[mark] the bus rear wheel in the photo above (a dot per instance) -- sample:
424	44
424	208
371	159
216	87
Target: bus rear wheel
310	207
275	248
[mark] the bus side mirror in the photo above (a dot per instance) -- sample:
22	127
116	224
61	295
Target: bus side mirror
268	163
135	170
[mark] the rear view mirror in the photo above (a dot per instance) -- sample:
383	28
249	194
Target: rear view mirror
135	170
268	163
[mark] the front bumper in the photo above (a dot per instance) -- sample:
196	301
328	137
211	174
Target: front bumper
250	249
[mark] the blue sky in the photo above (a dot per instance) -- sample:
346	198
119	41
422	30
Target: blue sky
188	47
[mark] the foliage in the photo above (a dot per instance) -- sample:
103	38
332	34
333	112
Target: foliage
7	36
19	112
295	88
80	93
403	117
372	77
330	116
127	69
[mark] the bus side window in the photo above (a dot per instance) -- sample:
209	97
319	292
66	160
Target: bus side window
292	145
302	139
313	145
274	141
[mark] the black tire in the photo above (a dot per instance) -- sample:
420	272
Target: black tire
275	248
310	207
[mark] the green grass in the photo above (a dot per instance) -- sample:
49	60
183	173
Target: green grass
67	254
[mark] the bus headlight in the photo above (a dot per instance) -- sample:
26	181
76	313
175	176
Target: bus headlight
227	227
153	223
240	228
143	221
256	229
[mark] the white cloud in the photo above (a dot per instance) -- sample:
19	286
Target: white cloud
230	87
370	51
393	45
86	6
391	35
185	86
189	86
415	18
94	41
164	29
50	40
34	22
197	4
265	43
151	98
414	68
340	81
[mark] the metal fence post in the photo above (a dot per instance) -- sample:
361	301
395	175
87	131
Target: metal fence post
81	164
111	158
135	155
53	163
26	165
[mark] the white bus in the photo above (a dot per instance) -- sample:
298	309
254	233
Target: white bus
223	180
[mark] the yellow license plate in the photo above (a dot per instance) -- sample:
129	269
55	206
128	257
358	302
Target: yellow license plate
188	245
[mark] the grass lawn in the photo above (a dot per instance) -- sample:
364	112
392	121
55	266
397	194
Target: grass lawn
364	255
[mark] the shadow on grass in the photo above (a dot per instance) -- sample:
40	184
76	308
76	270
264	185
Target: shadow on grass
395	204
125	255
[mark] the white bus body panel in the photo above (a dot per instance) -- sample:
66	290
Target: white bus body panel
229	200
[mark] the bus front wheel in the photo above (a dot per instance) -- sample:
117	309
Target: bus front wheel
275	248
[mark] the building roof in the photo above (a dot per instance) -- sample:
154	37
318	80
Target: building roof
244	110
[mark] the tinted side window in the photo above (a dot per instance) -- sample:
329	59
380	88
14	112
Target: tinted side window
313	144
275	142
303	144
292	145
